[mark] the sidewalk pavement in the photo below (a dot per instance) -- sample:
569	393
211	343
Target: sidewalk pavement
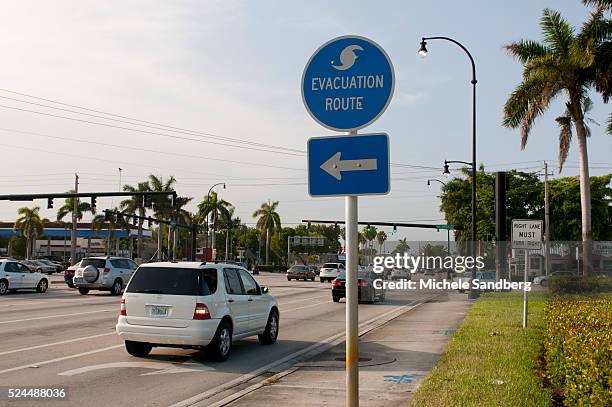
394	360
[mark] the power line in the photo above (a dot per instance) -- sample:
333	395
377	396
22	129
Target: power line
149	150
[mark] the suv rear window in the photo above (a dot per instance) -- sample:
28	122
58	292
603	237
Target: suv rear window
330	266
97	263
173	281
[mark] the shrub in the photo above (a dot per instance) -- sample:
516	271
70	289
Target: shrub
271	268
580	284
578	350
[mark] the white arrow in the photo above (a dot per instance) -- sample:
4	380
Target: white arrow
334	166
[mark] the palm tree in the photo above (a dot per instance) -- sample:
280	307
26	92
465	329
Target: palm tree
162	206
179	214
135	205
218	209
268	220
68	208
381	237
369	233
402	246
30	224
563	63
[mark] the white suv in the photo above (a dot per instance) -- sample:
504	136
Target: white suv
104	273
330	271
195	305
14	275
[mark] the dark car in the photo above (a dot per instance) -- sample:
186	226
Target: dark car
69	275
300	273
365	287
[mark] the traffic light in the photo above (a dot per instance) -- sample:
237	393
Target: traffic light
308	225
146	201
49	203
173	199
394	229
335	225
93	202
135	221
106	216
149	222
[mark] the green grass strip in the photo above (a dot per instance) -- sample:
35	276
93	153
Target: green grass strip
491	345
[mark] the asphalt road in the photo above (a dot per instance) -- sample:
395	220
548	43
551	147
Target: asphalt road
61	338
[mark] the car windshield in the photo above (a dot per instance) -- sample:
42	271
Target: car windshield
173	281
298	268
97	263
330	266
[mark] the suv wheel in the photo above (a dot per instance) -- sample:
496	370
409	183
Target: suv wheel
117	287
336	299
3	287
83	290
42	286
268	337
221	345
138	349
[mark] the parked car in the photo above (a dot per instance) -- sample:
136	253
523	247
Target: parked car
15	276
195	305
39	266
365	287
69	274
543	280
315	269
330	271
104	274
57	266
298	272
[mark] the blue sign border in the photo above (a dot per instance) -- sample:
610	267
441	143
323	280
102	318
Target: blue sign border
351	135
375	44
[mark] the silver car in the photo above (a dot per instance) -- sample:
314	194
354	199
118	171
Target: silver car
104	274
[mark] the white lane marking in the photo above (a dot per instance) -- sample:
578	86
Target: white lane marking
46	362
56	316
323	344
306	306
304	299
56	343
160	367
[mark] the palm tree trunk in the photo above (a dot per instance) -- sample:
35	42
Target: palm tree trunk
585	198
160	236
170	231
214	238
267	245
28	248
139	244
226	244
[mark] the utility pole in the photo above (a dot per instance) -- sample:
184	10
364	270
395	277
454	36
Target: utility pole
73	234
546	222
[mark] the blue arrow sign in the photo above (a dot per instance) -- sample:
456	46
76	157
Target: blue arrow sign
348	165
348	83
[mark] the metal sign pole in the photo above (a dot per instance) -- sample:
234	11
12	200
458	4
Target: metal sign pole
352	338
525	299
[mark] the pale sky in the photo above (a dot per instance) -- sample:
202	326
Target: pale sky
233	69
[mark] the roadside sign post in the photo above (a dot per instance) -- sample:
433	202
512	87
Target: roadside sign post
526	234
347	84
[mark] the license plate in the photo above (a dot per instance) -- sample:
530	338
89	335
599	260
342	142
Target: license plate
158	312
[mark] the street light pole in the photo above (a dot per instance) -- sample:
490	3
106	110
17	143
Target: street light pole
423	52
208	201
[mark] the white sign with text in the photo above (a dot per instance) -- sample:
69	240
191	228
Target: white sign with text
526	234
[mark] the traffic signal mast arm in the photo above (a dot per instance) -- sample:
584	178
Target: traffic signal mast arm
392	224
31	197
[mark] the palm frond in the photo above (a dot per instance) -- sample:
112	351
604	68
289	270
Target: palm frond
599	4
558	34
565	138
526	50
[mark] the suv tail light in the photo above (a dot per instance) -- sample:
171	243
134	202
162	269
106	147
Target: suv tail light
122	310
336	283
362	283
201	312
106	270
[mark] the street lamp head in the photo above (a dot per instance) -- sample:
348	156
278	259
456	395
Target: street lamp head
428	183
224	185
423	49
446	172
